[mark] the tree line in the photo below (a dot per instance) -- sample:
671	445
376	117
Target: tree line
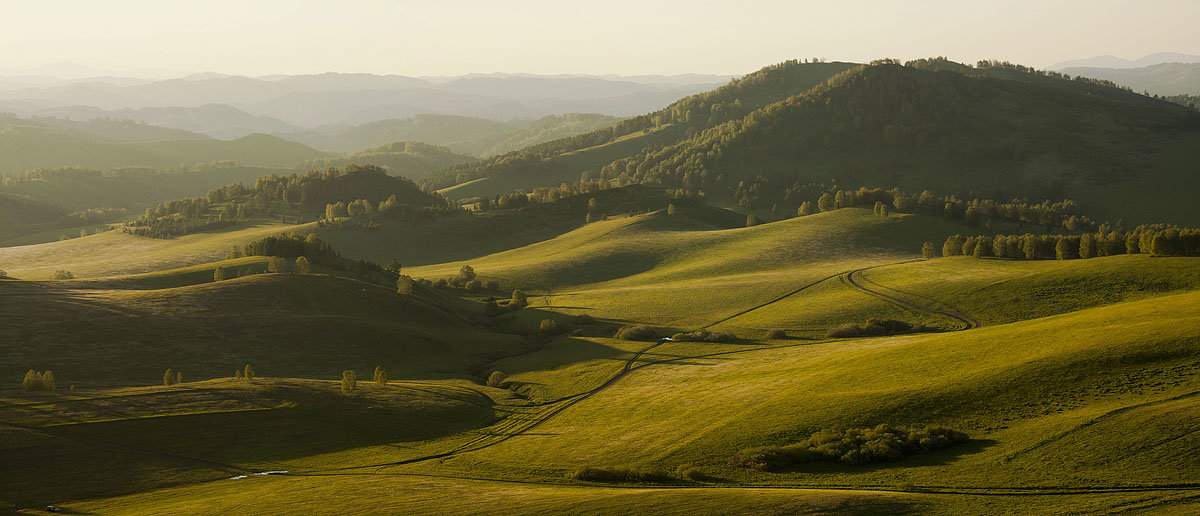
1155	240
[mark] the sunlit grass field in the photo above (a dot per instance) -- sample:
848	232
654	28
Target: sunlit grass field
1077	390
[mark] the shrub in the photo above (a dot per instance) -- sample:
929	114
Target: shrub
776	334
63	275
577	332
519	300
875	327
853	446
548	327
583	319
441	283
635	333
496	379
3	274
626	475
704	336
493	285
474	286
692	473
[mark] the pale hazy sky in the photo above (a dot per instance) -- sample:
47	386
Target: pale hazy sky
419	37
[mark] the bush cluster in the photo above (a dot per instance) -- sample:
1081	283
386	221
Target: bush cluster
776	334
38	381
617	474
635	333
854	446
876	327
704	336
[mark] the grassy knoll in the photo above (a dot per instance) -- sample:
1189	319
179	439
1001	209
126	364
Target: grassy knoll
286	325
112	253
138	439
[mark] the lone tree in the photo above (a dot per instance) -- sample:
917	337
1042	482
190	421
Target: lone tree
404	284
349	381
496	378
302	266
671	209
518	299
248	373
927	250
466	273
169	377
826	202
548	327
381	376
275	264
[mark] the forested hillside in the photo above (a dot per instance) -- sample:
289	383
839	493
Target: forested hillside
999	130
296	198
413	160
728	102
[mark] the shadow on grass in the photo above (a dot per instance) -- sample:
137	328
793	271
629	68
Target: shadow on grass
940	457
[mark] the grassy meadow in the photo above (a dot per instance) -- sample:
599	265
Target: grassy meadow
1076	381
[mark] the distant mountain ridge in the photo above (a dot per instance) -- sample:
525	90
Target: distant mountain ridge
309	101
1117	62
1159	79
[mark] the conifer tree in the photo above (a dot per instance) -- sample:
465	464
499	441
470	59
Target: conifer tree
349	381
169	377
220	274
178	376
248	374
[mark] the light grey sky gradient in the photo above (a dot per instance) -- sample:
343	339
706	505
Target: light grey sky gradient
447	37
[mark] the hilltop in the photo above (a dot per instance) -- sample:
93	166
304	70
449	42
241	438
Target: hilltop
410	159
463	134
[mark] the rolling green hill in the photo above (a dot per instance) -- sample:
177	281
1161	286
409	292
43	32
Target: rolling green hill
1075	379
